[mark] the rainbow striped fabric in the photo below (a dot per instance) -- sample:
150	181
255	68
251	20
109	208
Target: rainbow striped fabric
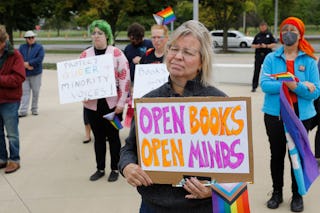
164	16
305	166
114	120
284	76
230	198
116	123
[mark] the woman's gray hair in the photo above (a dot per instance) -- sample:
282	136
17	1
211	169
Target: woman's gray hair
200	32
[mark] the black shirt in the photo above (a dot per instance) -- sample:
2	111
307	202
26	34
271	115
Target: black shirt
150	57
264	38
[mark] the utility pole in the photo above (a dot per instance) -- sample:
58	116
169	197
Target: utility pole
196	10
275	19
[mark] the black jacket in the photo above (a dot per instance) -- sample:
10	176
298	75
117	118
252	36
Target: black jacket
164	197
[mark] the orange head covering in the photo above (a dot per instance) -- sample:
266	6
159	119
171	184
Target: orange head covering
303	44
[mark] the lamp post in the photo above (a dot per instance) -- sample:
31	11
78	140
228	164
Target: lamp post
276	19
196	10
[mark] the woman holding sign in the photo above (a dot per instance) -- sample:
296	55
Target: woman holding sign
102	128
189	61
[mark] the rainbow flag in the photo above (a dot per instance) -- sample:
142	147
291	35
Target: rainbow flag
283	76
164	16
304	164
114	120
230	198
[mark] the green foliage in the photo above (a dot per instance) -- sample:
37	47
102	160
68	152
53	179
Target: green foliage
215	14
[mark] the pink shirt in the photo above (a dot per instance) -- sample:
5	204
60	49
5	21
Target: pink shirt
122	75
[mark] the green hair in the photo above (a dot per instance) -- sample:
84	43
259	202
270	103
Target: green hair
105	27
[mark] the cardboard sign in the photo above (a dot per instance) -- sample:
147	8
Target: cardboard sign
195	136
86	79
148	77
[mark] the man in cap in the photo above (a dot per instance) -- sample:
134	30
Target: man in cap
33	54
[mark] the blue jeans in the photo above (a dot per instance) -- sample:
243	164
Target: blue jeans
9	120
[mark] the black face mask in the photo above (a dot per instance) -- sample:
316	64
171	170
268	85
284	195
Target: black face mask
289	38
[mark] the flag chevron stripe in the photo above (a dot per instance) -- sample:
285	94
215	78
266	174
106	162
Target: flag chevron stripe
238	205
167	14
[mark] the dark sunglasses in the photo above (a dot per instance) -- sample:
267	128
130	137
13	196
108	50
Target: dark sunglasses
29	37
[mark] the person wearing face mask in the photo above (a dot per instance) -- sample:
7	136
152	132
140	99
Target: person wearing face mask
296	56
188	58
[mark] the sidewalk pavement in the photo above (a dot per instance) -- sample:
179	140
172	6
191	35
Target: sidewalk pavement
56	165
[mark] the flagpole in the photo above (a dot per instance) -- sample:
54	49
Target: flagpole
196	10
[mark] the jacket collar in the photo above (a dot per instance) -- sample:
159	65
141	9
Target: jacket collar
280	52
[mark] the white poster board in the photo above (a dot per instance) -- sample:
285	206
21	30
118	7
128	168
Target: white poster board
148	77
86	79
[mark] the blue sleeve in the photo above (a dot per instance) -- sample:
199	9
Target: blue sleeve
312	76
37	59
269	85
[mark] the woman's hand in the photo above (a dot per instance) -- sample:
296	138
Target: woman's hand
291	84
136	176
118	110
311	86
136	60
196	189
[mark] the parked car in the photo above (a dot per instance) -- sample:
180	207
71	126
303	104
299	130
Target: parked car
235	39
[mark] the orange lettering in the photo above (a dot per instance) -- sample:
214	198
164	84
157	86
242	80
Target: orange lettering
194	123
146	148
177	153
240	122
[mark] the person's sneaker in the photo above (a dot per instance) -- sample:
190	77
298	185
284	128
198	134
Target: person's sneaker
21	115
253	90
113	176
296	204
97	175
3	165
11	167
35	113
275	200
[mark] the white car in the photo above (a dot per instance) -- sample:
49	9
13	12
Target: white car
235	39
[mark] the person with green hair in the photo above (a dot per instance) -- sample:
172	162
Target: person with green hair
102	129
105	27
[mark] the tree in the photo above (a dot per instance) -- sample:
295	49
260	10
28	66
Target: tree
225	12
17	15
120	13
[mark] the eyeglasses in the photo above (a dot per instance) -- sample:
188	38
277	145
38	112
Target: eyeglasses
30	38
157	37
97	33
187	53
